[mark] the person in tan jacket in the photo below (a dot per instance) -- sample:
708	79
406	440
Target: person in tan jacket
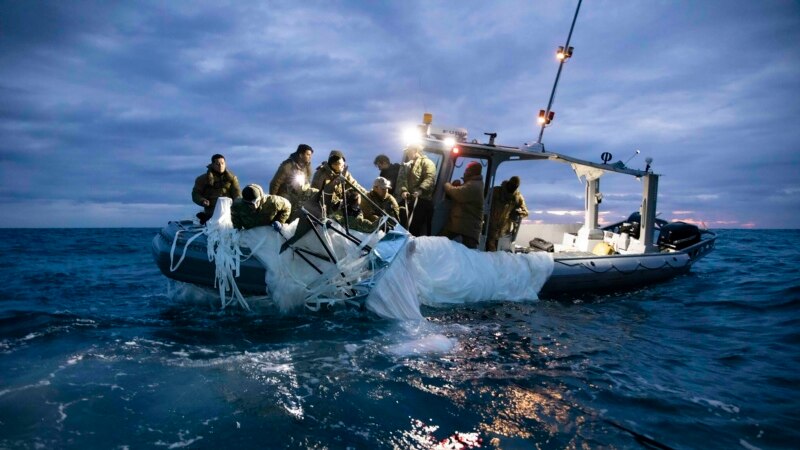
416	182
466	212
508	208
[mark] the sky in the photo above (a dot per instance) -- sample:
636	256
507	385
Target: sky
109	110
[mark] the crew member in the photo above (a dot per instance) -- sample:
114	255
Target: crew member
416	183
255	209
217	182
379	201
296	169
389	171
333	179
351	213
466	212
508	209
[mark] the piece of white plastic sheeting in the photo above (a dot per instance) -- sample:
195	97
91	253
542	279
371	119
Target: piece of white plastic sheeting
394	296
291	280
437	271
223	250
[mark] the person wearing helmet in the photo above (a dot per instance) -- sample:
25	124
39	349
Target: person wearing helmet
218	181
466	212
508	209
379	201
254	209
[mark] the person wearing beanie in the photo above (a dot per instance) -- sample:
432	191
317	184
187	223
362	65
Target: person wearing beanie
256	209
508	208
217	182
333	179
416	182
466	211
379	201
295	171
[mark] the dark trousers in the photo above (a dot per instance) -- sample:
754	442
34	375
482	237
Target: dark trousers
421	217
468	242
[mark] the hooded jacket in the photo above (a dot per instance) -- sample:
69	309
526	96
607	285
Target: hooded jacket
211	186
505	203
269	208
418	176
333	189
466	211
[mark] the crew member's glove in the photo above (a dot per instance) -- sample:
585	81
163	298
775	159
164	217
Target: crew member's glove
276	226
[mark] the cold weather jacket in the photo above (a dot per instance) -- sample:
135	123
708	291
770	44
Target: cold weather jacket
333	189
418	176
287	173
269	208
466	211
505	205
388	204
211	186
391	173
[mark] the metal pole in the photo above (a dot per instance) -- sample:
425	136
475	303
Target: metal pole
558	74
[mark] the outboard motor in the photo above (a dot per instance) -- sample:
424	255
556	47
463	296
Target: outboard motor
678	235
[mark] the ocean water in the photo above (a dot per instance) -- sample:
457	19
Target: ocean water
96	351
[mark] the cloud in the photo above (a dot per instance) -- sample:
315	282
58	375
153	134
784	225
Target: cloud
107	104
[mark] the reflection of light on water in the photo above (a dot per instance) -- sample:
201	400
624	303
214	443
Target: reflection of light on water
517	406
421	436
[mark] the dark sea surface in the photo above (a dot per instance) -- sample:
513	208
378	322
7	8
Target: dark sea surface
95	352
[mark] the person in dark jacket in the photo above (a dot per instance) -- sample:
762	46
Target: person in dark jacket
388	170
255	209
508	208
295	170
466	211
217	182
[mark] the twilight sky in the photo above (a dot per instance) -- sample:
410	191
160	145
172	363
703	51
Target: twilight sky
109	110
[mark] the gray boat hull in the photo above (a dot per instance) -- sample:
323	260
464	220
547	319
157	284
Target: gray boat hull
571	274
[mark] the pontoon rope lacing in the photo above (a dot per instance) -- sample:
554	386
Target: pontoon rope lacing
224	251
173	268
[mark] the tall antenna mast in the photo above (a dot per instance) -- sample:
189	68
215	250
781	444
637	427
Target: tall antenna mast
563	54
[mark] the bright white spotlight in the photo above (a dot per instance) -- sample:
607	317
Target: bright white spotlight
449	142
412	136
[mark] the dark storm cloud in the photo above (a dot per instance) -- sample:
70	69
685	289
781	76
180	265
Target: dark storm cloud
109	110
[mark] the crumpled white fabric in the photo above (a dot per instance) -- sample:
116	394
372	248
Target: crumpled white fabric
437	271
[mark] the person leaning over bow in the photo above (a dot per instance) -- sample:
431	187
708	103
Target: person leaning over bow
297	166
379	199
217	182
255	209
466	212
508	206
416	183
328	179
389	171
